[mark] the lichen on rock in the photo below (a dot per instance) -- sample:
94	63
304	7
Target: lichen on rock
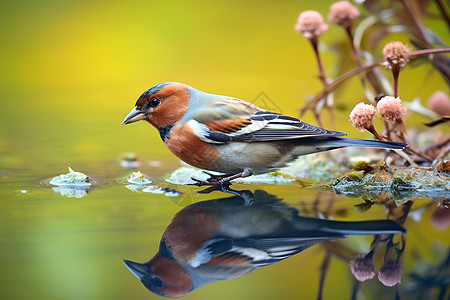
380	183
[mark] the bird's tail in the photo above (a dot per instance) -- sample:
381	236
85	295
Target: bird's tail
348	142
351	228
315	144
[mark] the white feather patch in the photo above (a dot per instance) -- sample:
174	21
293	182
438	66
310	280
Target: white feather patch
201	257
253	253
201	130
282	127
254	126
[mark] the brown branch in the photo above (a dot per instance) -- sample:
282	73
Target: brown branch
411	54
336	83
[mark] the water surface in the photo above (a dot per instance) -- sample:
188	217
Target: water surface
61	247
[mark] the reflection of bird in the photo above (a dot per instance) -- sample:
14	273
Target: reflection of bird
232	136
223	239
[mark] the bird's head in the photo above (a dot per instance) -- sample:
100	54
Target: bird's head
161	105
162	276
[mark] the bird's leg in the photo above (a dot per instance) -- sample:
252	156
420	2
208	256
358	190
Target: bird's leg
217	187
248	196
246	173
214	177
222	180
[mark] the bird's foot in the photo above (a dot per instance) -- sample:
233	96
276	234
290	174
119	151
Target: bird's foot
222	180
248	196
222	183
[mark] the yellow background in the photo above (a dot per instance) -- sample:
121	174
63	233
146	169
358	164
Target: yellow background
71	70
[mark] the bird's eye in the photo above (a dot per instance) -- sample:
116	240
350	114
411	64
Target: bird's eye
156	282
155	102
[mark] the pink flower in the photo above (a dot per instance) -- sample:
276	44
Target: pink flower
390	109
391	272
440	218
395	53
362	267
343	13
310	24
362	116
439	102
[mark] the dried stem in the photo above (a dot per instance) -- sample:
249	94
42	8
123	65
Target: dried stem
357	58
323	78
410	13
323	273
402	126
395	73
443	11
405	211
420	154
355	289
439	145
375	133
442	154
388	131
412	54
336	83
355	50
331	86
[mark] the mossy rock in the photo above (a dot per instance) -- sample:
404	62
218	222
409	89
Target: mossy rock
379	182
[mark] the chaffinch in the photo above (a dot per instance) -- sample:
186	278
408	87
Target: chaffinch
228	238
232	136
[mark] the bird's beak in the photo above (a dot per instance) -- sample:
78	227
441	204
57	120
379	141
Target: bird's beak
134	116
139	270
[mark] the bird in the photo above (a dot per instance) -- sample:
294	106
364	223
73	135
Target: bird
227	238
231	136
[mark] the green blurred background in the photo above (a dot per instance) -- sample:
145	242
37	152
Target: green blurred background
72	70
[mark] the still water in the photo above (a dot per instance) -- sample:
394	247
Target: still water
59	247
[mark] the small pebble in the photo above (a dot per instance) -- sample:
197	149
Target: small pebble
138	178
71	179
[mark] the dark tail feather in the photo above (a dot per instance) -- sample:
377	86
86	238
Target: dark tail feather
321	227
363	227
348	142
308	145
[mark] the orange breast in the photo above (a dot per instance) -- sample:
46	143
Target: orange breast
190	228
189	148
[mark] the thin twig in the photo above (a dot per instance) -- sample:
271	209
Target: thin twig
412	54
355	50
355	289
323	273
420	154
320	68
323	78
442	154
443	11
344	77
410	13
395	73
336	83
